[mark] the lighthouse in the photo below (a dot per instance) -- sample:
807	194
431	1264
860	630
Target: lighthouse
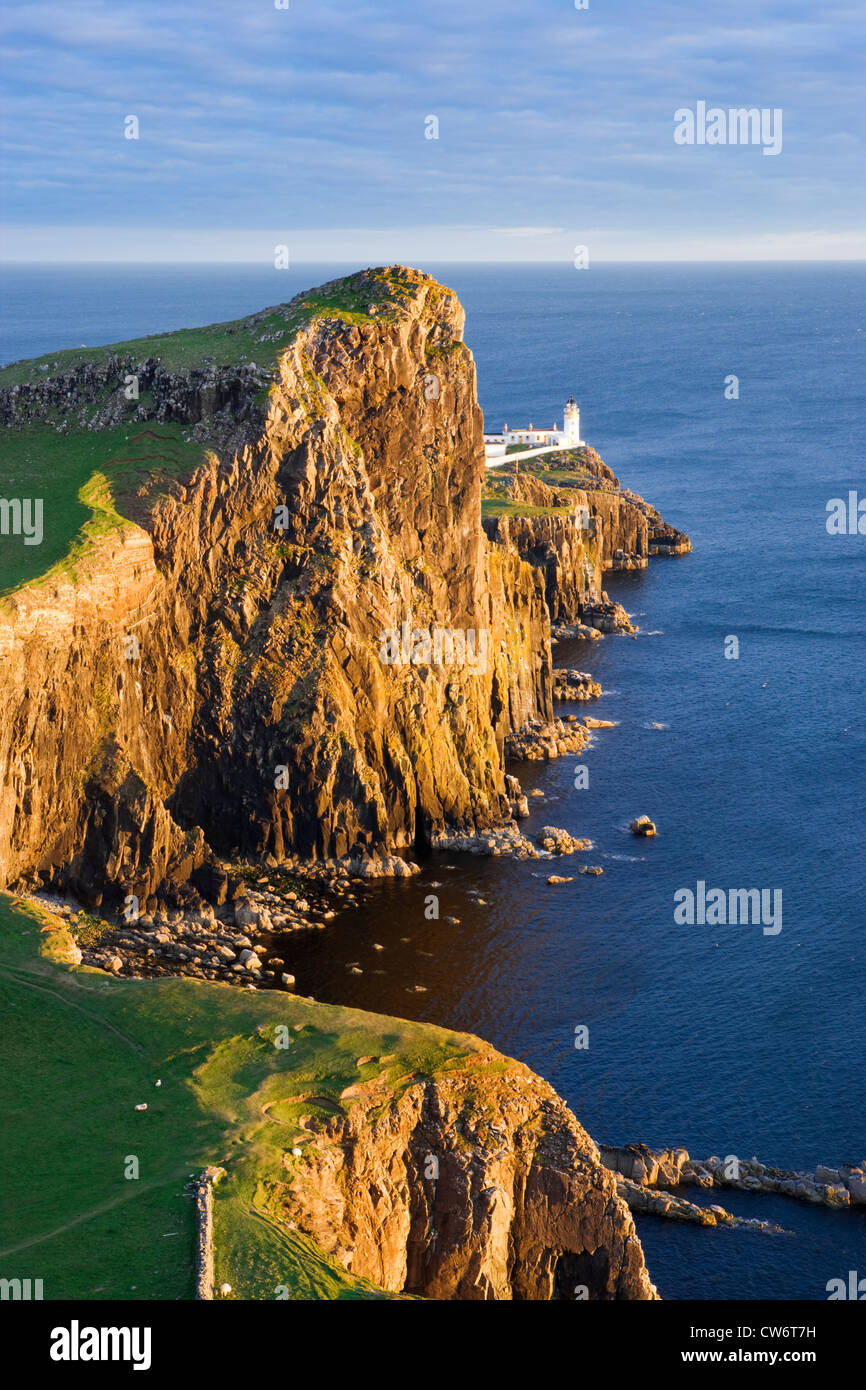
537	440
571	422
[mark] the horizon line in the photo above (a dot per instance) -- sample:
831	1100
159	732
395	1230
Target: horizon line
444	260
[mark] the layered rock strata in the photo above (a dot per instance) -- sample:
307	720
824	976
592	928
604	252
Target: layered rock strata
277	699
841	1186
305	644
476	1185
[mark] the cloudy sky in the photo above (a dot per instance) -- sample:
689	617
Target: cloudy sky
306	126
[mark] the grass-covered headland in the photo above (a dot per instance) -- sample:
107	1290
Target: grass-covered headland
95	1190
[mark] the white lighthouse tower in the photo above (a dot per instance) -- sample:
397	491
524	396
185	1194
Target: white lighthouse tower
536	440
571	422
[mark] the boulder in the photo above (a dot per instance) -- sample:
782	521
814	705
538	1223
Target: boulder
827	1175
855	1181
557	841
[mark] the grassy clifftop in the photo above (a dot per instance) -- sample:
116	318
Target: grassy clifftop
364	297
84	1049
544	486
91	454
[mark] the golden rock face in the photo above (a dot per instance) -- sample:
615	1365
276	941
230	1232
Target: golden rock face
478	1184
210	677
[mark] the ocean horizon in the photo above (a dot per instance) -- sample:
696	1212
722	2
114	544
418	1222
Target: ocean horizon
722	1038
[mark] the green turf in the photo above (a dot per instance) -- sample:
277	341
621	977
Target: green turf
238	341
89	479
505	506
568	477
82	1049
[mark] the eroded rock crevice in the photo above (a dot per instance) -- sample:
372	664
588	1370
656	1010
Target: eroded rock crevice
476	1186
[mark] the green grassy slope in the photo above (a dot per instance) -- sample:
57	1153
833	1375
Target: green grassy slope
66	469
235	341
563	472
82	1049
84	478
506	506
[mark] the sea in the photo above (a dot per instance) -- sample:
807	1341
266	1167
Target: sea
733	397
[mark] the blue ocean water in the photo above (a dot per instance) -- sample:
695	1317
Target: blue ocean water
723	1039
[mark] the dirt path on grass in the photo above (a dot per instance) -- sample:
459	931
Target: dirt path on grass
85	1216
21	978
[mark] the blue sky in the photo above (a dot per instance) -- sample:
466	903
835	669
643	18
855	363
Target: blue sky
306	127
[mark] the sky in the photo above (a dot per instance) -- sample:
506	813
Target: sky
309	127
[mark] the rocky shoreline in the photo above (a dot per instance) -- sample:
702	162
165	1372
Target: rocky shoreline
202	743
646	1176
232	941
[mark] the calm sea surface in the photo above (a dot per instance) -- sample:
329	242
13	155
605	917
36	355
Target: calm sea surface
722	1039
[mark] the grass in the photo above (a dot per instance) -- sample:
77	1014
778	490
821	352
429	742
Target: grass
83	1049
229	344
505	506
259	338
86	478
569	477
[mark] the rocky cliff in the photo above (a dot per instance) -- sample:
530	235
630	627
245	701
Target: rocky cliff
237	664
565	548
475	1183
367	1153
287	628
568	517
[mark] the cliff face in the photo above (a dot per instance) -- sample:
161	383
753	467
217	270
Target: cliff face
566	550
405	1154
300	638
574	534
245	658
274	696
477	1183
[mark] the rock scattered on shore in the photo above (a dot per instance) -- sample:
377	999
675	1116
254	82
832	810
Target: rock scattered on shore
566	632
516	800
540	742
652	1203
203	942
560	841
499	840
574	685
842	1186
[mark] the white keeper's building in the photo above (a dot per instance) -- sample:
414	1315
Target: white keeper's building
568	437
